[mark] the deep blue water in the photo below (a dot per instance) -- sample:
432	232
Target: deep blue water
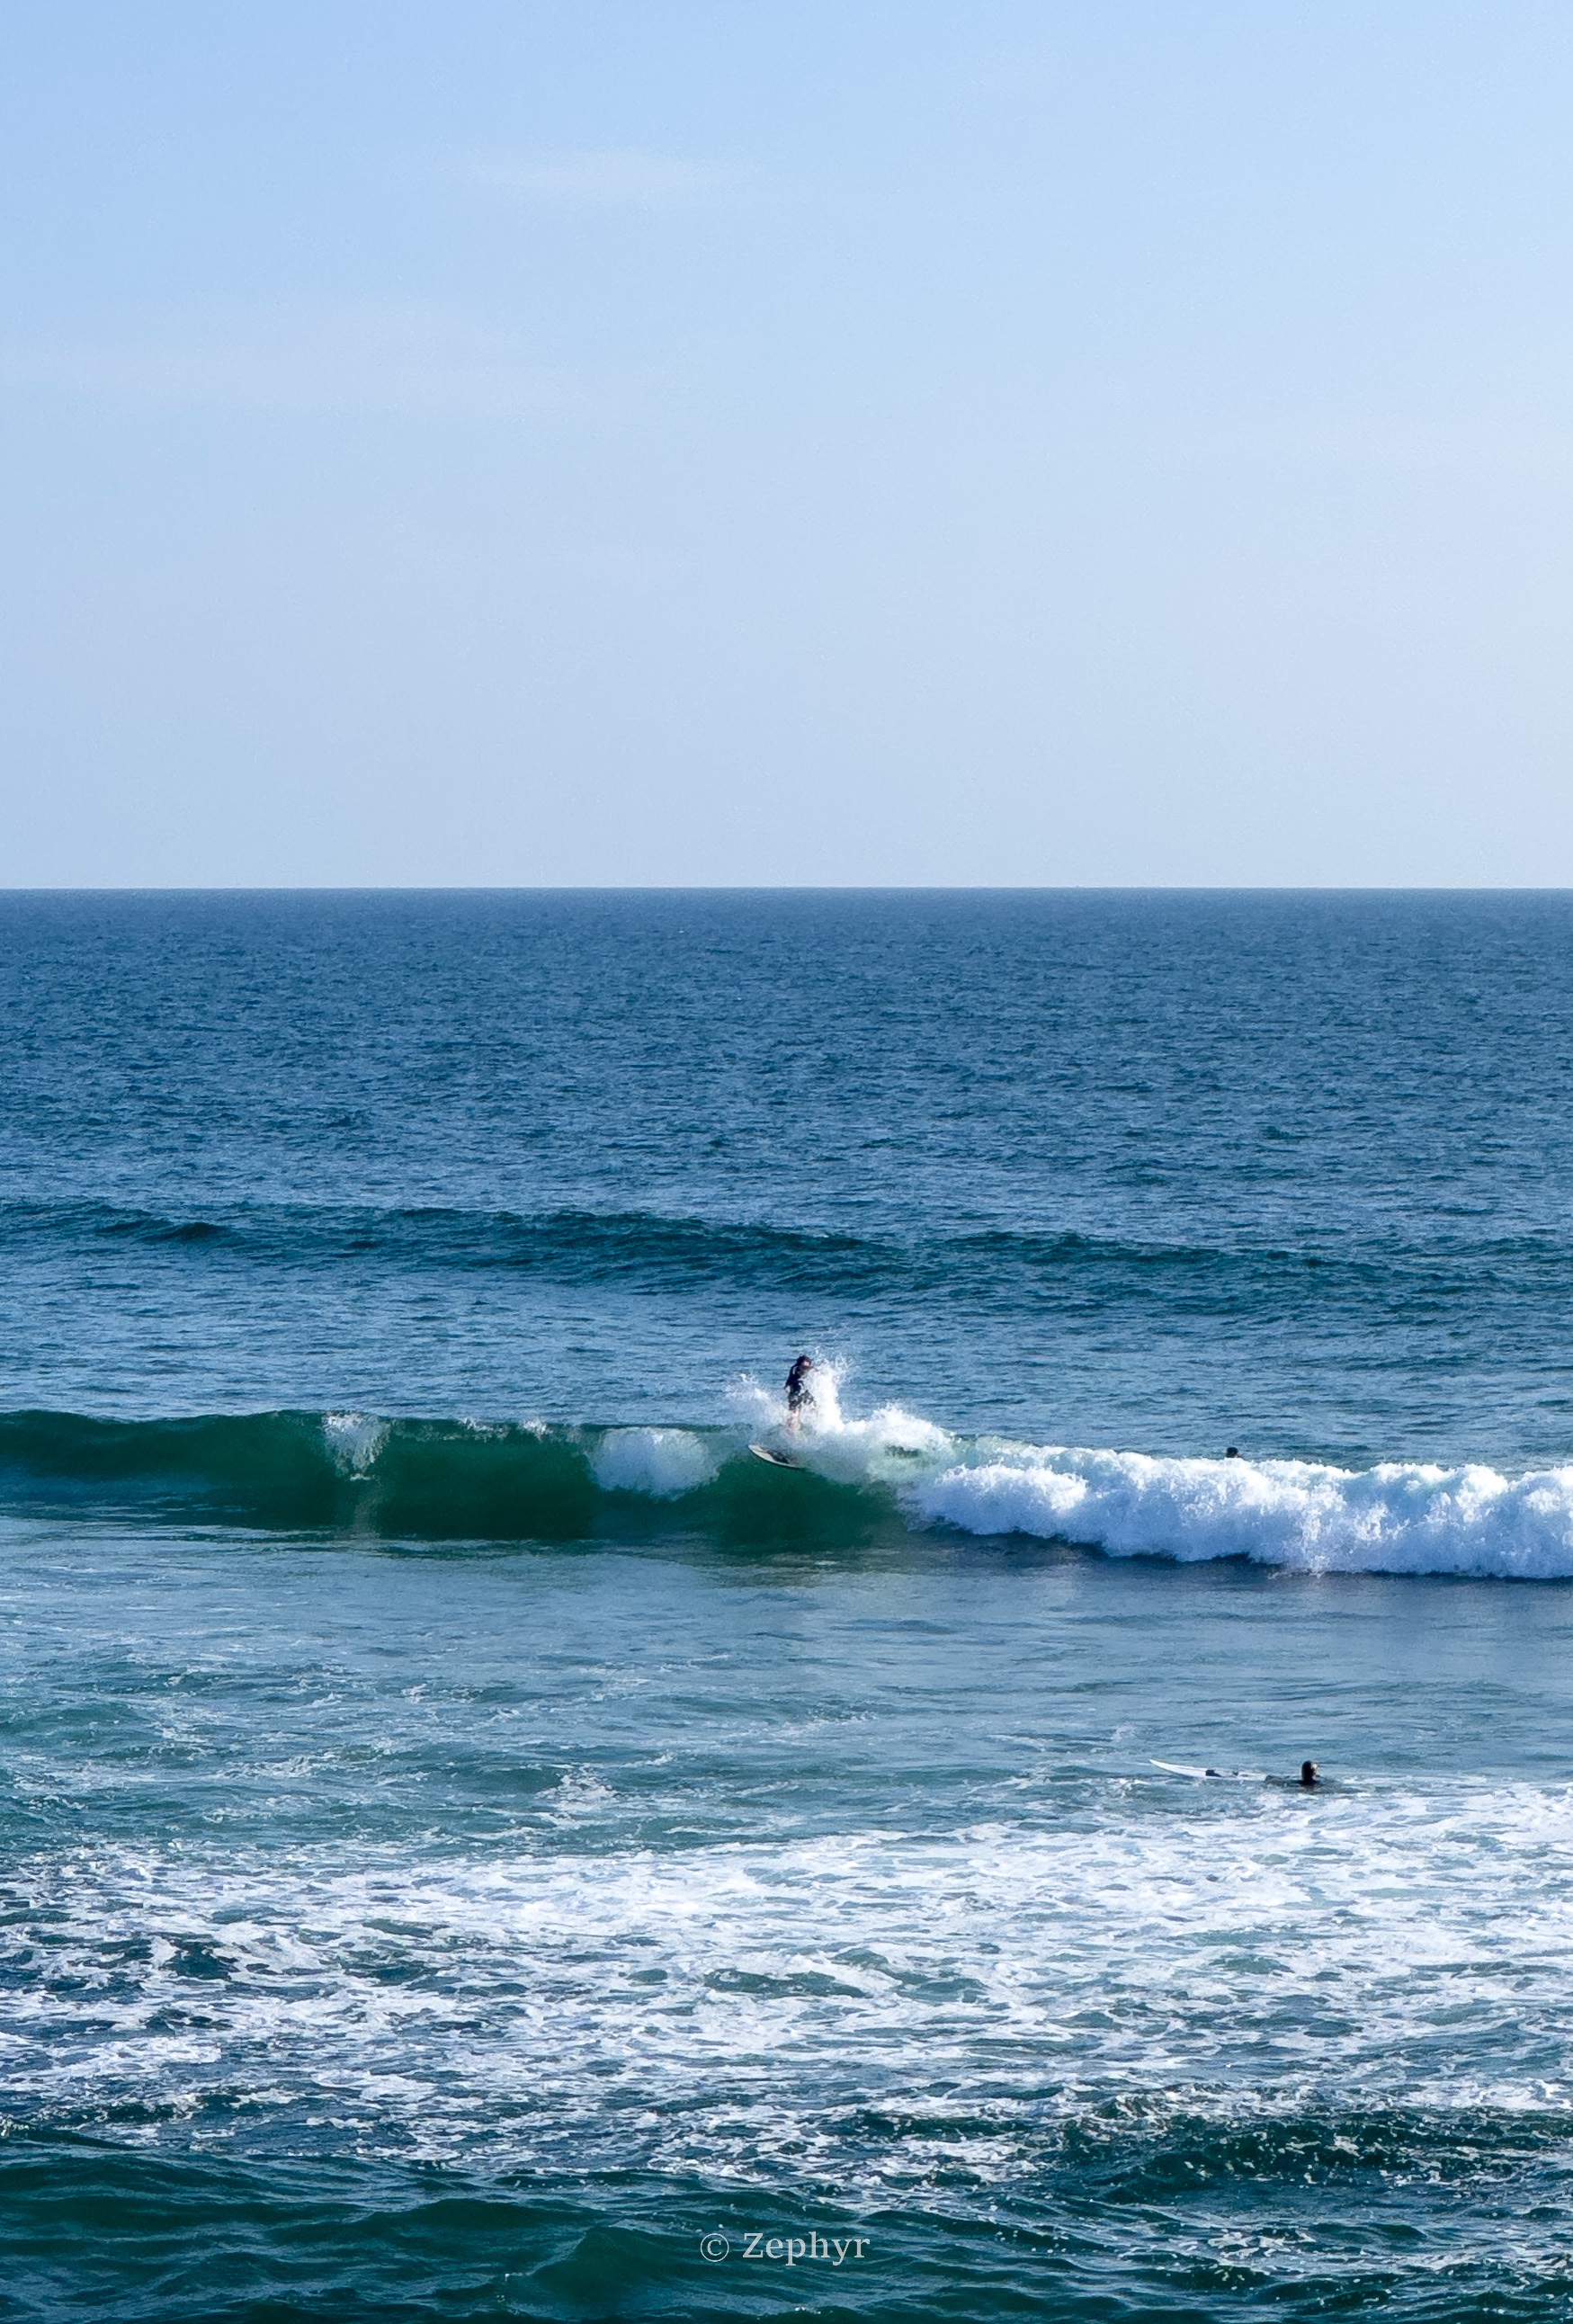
471	1832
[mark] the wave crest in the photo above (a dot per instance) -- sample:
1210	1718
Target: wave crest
1398	1517
886	1475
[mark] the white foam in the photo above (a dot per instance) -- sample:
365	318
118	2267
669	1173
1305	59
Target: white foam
851	1451
1399	1517
354	1440
660	1462
731	2003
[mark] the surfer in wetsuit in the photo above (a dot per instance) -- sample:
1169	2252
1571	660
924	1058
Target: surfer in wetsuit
799	1394
1308	1780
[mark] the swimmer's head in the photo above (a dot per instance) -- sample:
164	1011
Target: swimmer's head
1231	1452
1307	1773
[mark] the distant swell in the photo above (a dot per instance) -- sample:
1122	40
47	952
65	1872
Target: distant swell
568	1245
1082	1273
360	1475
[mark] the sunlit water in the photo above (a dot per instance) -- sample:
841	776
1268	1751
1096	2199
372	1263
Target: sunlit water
474	1833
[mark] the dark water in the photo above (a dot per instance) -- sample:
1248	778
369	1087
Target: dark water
473	1833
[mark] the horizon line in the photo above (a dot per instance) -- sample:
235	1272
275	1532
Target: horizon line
788	887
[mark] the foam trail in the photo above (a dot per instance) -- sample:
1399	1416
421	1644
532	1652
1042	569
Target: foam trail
1398	1517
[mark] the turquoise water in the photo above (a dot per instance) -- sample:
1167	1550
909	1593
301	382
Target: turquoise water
474	1837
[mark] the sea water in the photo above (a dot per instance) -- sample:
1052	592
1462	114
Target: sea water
477	1842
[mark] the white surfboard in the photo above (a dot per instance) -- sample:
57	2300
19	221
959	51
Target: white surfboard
775	1460
1219	1774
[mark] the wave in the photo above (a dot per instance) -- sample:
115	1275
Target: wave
1398	1517
566	1244
360	1474
888	1475
578	1245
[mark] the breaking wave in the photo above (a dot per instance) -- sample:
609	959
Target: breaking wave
1398	1517
884	1475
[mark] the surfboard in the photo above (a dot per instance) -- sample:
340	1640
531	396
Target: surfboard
775	1460
1222	1775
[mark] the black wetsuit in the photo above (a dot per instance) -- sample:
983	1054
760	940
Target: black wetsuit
798	1392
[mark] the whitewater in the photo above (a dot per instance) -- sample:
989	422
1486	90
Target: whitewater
510	1480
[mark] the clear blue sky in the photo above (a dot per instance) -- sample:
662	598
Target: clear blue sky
849	441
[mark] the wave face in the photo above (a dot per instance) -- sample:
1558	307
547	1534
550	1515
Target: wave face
358	1474
892	1474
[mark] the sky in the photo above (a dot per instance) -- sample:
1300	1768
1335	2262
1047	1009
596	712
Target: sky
862	442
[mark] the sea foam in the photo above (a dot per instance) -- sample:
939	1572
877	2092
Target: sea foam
1398	1517
847	1450
661	1461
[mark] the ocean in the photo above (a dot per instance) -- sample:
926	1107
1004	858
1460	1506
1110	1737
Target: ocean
479	1843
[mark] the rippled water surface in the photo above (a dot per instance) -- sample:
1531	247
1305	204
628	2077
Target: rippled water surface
477	1842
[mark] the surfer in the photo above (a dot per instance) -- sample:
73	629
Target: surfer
1308	1780
799	1394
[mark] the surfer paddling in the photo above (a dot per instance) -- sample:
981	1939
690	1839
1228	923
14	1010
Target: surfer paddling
799	1394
